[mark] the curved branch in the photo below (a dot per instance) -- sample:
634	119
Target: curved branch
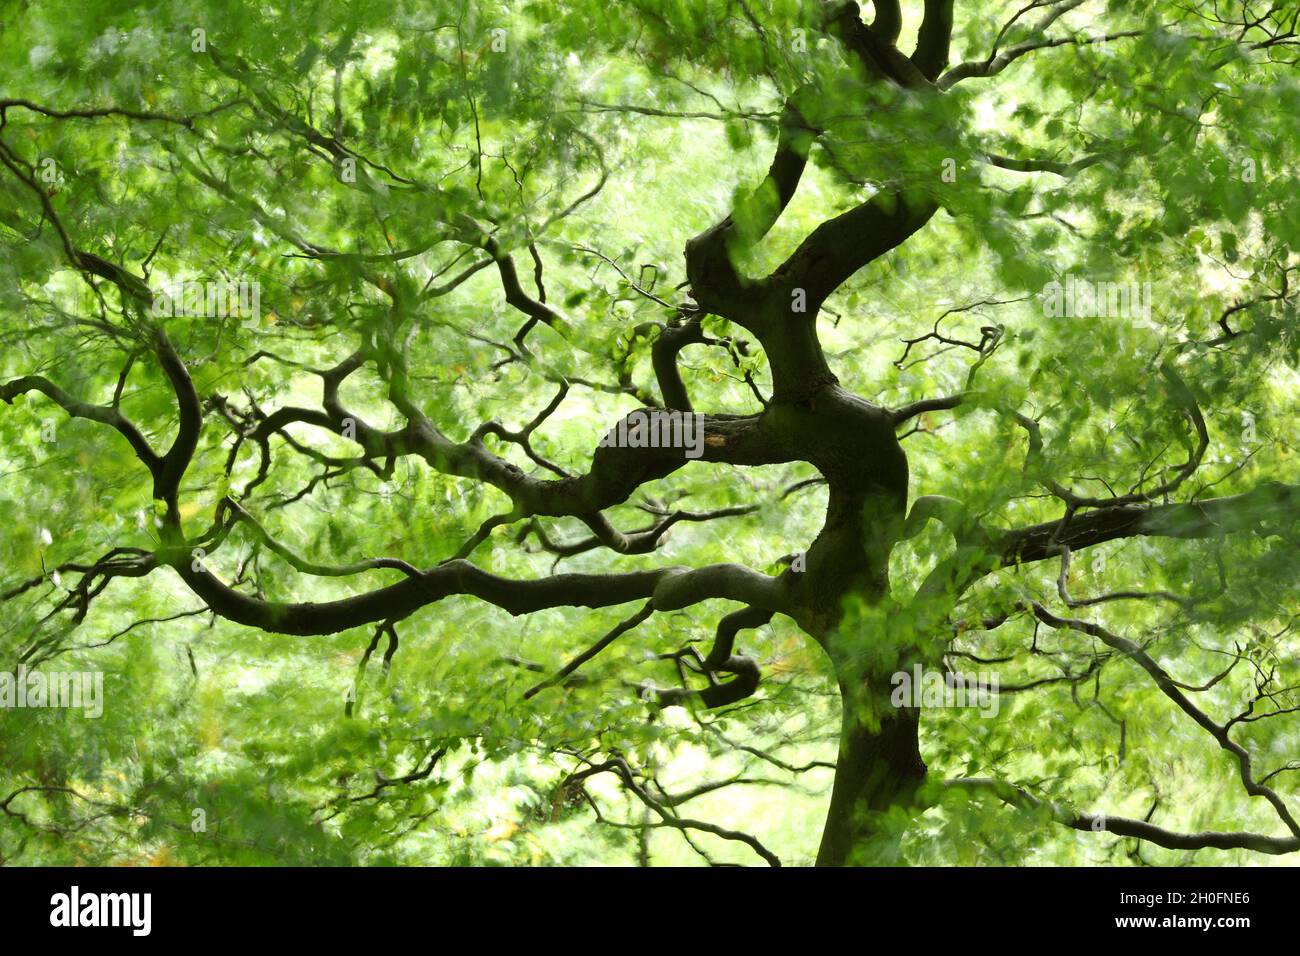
1123	826
670	588
1172	689
1269	509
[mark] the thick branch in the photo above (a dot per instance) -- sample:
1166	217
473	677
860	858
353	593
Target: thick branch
931	54
1270	508
1123	826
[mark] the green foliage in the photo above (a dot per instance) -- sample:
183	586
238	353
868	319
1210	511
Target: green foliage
605	137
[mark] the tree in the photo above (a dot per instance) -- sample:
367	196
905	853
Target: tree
396	308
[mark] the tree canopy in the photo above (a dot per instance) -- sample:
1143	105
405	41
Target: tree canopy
558	433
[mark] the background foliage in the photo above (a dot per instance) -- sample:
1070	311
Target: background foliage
669	108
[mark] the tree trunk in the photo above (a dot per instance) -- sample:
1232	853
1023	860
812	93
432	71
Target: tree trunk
879	767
